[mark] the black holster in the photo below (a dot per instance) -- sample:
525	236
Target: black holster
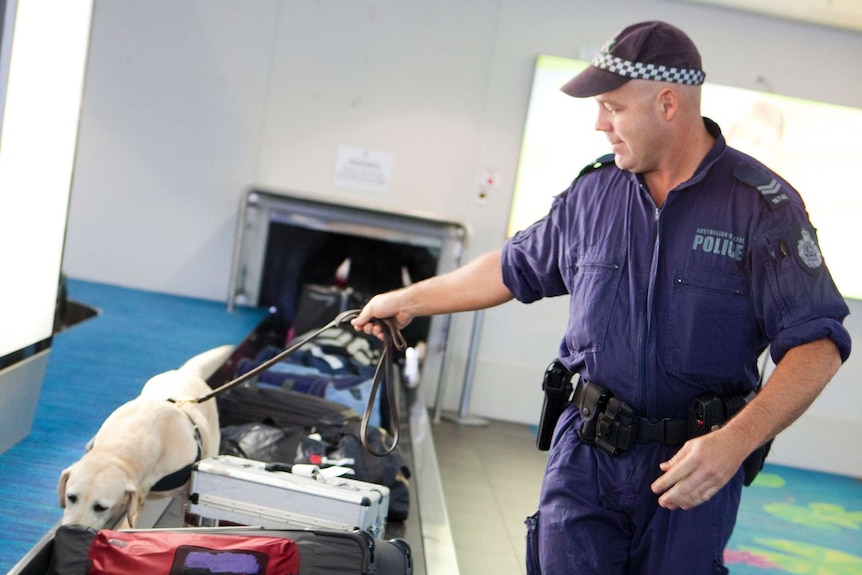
753	464
557	385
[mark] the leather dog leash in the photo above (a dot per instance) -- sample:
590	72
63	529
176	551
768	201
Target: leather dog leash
392	339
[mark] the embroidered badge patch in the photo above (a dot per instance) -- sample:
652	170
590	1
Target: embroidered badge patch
809	251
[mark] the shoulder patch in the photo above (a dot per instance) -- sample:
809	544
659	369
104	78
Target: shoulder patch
807	249
763	181
599	163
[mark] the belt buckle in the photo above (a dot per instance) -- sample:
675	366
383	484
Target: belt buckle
649	431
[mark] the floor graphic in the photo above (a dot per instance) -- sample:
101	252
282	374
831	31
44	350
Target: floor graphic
800	522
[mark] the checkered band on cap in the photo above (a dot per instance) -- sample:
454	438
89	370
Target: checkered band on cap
652	50
638	70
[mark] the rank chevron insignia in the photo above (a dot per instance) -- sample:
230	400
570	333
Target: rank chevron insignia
772	193
762	180
770	189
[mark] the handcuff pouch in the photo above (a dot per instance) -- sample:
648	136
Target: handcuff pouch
592	399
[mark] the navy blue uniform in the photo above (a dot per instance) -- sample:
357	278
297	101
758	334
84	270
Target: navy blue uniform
666	304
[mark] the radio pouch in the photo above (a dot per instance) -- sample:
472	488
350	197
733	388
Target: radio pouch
706	414
709	412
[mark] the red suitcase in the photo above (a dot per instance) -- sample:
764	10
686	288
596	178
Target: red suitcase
178	552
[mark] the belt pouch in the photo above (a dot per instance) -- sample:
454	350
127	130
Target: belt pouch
705	414
614	430
592	399
709	412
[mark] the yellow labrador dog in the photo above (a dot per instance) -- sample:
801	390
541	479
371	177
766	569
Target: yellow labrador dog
145	447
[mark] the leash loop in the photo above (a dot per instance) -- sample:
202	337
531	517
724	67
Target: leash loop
392	339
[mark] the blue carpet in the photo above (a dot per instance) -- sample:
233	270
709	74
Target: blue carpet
797	521
94	367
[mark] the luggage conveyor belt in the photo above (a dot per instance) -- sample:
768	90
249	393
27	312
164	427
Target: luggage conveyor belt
426	529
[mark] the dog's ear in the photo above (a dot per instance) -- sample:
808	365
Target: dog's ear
61	486
134	500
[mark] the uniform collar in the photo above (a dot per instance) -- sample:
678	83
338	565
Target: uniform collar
716	152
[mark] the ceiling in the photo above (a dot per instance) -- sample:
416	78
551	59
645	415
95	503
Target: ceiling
845	14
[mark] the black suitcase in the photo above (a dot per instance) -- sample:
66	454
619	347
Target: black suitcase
280	407
320	552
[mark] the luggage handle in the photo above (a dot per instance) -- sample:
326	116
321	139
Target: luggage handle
392	339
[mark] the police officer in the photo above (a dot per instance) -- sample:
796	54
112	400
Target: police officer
683	259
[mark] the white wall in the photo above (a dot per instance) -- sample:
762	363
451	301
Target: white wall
188	103
171	125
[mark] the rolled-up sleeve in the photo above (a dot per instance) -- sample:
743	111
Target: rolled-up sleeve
813	330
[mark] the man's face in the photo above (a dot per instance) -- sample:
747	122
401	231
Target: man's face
630	118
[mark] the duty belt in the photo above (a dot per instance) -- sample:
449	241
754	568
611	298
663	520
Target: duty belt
610	423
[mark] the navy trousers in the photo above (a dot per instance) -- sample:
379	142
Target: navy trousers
597	514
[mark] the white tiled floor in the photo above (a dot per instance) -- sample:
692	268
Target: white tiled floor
491	479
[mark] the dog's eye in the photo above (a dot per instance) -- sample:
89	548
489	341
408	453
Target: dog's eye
72	498
99	508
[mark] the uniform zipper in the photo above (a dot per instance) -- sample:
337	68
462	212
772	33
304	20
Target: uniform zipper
647	317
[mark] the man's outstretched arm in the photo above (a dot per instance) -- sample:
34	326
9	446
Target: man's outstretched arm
477	285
